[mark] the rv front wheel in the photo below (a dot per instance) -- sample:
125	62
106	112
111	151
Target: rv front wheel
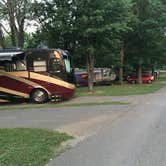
39	96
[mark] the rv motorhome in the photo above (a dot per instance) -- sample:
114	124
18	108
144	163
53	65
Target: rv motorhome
38	75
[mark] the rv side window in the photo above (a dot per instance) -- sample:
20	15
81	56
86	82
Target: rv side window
2	67
20	66
39	66
11	66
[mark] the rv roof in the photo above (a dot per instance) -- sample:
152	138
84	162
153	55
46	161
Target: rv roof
8	55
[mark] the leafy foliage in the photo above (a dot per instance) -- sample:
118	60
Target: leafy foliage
15	12
145	44
111	33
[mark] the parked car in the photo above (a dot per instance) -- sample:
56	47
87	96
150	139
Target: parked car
146	78
81	79
156	73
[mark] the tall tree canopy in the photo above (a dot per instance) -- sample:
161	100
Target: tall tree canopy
15	12
147	39
123	31
113	32
85	27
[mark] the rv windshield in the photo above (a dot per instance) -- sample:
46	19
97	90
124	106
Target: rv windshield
55	65
67	64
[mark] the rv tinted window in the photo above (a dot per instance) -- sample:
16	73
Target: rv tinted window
2	67
20	66
9	66
14	66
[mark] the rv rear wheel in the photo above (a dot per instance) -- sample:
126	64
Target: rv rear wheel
39	96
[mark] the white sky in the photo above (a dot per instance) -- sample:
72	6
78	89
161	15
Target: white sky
29	27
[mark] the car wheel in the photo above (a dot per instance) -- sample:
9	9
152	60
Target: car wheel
39	96
149	81
133	82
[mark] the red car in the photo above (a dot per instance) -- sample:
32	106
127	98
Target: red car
146	78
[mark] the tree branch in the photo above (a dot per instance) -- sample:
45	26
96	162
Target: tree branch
4	2
5	29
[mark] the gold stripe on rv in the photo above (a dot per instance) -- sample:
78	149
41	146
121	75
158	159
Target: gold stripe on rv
13	92
17	76
45	78
51	80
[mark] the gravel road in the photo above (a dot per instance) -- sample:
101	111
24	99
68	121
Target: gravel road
135	138
124	135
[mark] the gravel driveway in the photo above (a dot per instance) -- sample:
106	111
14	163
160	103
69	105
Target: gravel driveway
118	135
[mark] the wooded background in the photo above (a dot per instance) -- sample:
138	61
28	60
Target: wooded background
125	35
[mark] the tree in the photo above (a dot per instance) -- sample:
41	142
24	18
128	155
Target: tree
146	40
2	41
56	23
88	26
125	31
85	27
123	16
69	25
15	12
100	21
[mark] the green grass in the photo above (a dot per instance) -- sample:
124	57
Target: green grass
62	105
161	78
28	147
124	90
98	103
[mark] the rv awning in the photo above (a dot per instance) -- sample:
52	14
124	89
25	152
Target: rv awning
8	55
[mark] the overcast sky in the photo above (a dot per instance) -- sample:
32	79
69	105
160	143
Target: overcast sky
29	27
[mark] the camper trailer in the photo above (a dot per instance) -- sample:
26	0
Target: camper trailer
102	76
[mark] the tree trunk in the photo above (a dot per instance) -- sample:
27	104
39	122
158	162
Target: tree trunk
121	75
17	20
2	41
12	22
90	70
153	69
140	74
20	37
121	63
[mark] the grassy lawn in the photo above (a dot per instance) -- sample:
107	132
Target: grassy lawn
62	105
161	78
124	90
28	147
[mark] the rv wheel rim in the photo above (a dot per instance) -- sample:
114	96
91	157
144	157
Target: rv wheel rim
39	96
